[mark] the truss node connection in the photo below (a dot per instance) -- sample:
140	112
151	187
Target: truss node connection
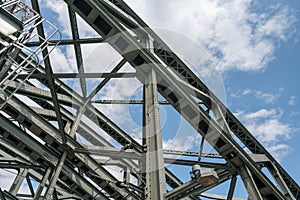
65	132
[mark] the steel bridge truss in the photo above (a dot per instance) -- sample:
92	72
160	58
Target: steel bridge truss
41	141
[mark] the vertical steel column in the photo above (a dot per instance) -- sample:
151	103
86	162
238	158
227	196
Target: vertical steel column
279	180
249	183
18	181
152	141
126	176
232	187
2	196
42	184
49	192
30	185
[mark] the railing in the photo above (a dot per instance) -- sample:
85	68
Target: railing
20	11
12	68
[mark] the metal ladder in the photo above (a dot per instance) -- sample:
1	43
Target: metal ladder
23	21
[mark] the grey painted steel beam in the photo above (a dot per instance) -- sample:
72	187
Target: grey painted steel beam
81	75
18	155
250	185
279	180
46	155
219	197
2	195
193	154
37	93
50	190
110	127
189	112
125	101
49	71
90	135
38	125
18	181
193	188
18	166
115	153
42	184
131	101
30	185
231	188
236	157
173	61
78	54
193	162
223	177
153	160
67	42
48	114
111	152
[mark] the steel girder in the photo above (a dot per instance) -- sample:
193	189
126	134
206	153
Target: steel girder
224	143
172	60
65	162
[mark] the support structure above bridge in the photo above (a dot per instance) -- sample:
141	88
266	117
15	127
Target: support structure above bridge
65	131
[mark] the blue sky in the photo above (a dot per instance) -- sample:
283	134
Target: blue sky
254	46
280	82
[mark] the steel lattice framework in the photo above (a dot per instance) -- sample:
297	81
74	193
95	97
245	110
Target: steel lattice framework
41	142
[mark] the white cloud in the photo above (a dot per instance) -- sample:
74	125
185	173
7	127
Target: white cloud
292	101
246	91
238	37
181	143
263	113
6	177
267	97
271	130
63	60
279	151
267	127
61	9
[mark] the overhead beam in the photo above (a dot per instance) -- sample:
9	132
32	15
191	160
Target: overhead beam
191	163
80	75
114	153
130	101
67	42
